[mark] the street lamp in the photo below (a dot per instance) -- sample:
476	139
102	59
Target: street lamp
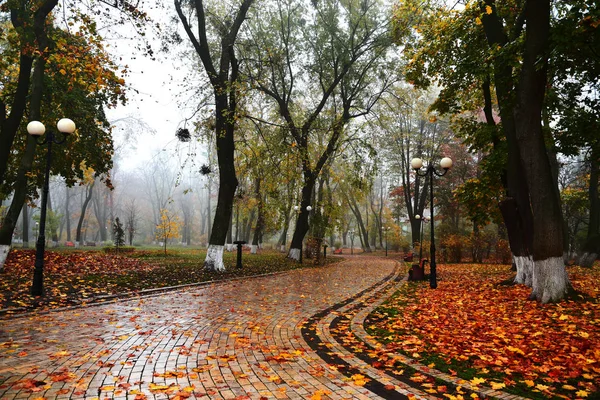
37	129
351	242
445	164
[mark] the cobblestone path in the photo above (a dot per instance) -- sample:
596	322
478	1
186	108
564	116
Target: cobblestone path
269	337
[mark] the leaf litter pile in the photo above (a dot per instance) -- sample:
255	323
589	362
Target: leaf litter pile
79	277
490	334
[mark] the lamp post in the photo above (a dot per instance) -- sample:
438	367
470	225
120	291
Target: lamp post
37	129
351	242
445	164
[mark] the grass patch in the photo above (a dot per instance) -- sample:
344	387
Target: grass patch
490	334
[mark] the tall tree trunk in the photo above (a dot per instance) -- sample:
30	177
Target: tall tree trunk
550	279
68	213
230	234
520	230
302	219
364	234
227	185
54	233
260	220
224	83
11	124
25	223
88	196
591	247
248	227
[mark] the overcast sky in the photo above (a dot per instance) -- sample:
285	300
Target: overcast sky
154	90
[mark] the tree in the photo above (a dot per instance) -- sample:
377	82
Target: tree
82	66
29	23
407	129
131	220
506	48
224	80
573	100
327	53
119	234
168	227
88	183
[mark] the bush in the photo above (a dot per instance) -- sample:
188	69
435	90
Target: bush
503	254
453	245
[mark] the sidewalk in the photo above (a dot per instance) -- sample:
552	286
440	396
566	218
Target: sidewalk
261	338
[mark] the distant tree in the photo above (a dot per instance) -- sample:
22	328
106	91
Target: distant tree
168	227
131	220
118	234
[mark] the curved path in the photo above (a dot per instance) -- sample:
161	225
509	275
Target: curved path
268	337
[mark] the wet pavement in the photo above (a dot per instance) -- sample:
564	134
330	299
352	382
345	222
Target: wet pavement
261	338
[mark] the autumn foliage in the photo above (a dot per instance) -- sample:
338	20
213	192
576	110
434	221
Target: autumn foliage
473	322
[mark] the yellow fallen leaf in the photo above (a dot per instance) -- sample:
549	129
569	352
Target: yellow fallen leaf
541	387
563	317
582	393
529	383
477	381
155	387
584	335
497	385
569	387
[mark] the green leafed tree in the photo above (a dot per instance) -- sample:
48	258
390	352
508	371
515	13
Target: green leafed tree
319	65
493	57
212	29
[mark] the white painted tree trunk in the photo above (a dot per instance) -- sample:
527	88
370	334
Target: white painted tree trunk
587	259
214	258
550	280
282	248
229	246
524	270
4	250
294	254
253	249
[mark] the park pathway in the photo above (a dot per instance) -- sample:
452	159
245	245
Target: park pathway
261	338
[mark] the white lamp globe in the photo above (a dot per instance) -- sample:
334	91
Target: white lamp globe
446	163
308	208
36	128
66	125
416	163
417	216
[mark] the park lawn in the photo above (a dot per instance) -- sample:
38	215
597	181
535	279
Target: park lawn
74	277
489	334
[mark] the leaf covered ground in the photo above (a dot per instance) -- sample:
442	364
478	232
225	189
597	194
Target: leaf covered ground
75	277
490	334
